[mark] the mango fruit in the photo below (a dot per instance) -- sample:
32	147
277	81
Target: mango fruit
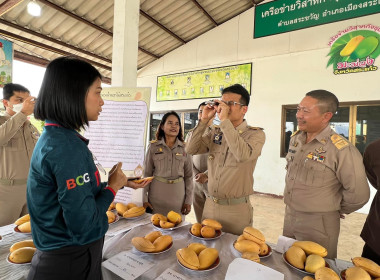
357	273
152	236
142	244
326	273
311	247
174	217
365	48
207	232
25	227
22	255
247	246
296	257
212	223
196	229
134	212
23	219
351	46
21	244
207	257
254	234
188	258
156	218
251	256
370	266
162	242
314	262
196	247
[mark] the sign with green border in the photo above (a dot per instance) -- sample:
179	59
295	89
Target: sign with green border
6	61
354	49
288	15
202	83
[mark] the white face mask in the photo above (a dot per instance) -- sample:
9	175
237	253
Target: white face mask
17	107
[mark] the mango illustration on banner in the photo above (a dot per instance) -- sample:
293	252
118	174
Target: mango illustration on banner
355	51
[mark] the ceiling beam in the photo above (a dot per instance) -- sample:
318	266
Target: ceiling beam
31	59
44	37
50	48
8	5
205	12
62	10
162	26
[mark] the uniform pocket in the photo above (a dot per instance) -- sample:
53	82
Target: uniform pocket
315	173
159	162
230	160
16	143
180	163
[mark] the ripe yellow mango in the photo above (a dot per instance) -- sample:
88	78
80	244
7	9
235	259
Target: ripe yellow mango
351	46
326	273
313	263
22	255
296	257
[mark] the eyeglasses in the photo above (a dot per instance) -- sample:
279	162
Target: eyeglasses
98	165
232	103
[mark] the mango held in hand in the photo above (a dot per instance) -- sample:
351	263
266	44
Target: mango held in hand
25	227
207	257
111	216
357	273
212	223
370	266
314	262
188	258
23	219
156	218
21	244
254	234
311	247
174	217
22	255
196	229
134	212
326	273
296	257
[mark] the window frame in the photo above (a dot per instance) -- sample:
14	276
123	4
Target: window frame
353	106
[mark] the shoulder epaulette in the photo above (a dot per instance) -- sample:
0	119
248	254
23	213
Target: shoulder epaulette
153	141
254	127
339	141
295	133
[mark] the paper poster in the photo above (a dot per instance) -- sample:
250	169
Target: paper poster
245	269
127	265
120	132
6	59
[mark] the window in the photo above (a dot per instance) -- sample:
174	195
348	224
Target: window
359	122
188	121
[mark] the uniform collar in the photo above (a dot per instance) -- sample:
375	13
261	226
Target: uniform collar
321	137
53	123
242	126
176	143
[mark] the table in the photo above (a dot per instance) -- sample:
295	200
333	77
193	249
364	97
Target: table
181	238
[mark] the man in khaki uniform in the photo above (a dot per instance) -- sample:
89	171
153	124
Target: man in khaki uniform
325	175
233	151
17	140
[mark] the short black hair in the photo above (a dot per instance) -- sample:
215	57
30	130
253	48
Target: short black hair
160	132
10	89
327	101
238	89
202	104
63	92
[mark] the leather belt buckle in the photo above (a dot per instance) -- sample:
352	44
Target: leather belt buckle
171	181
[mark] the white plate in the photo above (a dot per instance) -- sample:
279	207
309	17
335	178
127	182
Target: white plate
300	270
261	257
18	231
218	234
212	267
168	229
8	261
116	220
156	253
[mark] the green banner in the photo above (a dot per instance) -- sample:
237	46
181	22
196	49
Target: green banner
202	83
288	15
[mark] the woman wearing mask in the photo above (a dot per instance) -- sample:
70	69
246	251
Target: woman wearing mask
166	160
66	200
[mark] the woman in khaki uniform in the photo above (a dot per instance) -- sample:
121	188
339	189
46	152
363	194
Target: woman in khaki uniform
167	161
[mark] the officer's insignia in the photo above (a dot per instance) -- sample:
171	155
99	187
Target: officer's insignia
321	159
292	151
315	157
218	138
153	141
320	150
323	141
210	157
295	144
240	131
178	154
295	133
255	127
339	141
310	156
159	151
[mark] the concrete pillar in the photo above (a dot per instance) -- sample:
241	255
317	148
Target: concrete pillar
125	43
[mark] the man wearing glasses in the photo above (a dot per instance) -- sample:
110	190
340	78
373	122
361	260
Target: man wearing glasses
325	175
233	149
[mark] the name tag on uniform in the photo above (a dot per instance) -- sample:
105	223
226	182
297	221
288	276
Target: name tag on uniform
178	154
218	138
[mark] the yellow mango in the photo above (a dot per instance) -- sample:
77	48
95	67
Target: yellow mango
22	255
207	257
314	262
296	257
196	247
370	266
23	219
188	258
351	46
174	217
311	247
357	273
21	244
325	273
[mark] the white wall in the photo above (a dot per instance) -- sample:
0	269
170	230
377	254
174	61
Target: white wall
285	67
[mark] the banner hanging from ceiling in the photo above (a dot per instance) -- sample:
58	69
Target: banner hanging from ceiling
207	83
282	16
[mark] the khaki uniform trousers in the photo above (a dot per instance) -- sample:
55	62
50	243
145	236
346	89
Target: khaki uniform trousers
199	200
322	228
234	218
12	203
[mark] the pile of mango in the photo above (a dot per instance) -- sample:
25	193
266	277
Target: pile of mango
153	242
169	221
197	256
23	224
207	229
22	252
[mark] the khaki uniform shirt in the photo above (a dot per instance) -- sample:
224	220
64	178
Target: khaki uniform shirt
17	140
170	163
326	174
232	158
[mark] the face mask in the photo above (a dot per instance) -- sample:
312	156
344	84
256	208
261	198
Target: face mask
17	107
216	120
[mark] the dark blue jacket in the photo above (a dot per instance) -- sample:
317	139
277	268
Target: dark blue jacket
66	200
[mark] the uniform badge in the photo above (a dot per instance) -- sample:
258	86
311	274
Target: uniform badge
240	131
323	141
178	154
159	151
321	159
218	138
292	151
210	157
295	144
320	150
